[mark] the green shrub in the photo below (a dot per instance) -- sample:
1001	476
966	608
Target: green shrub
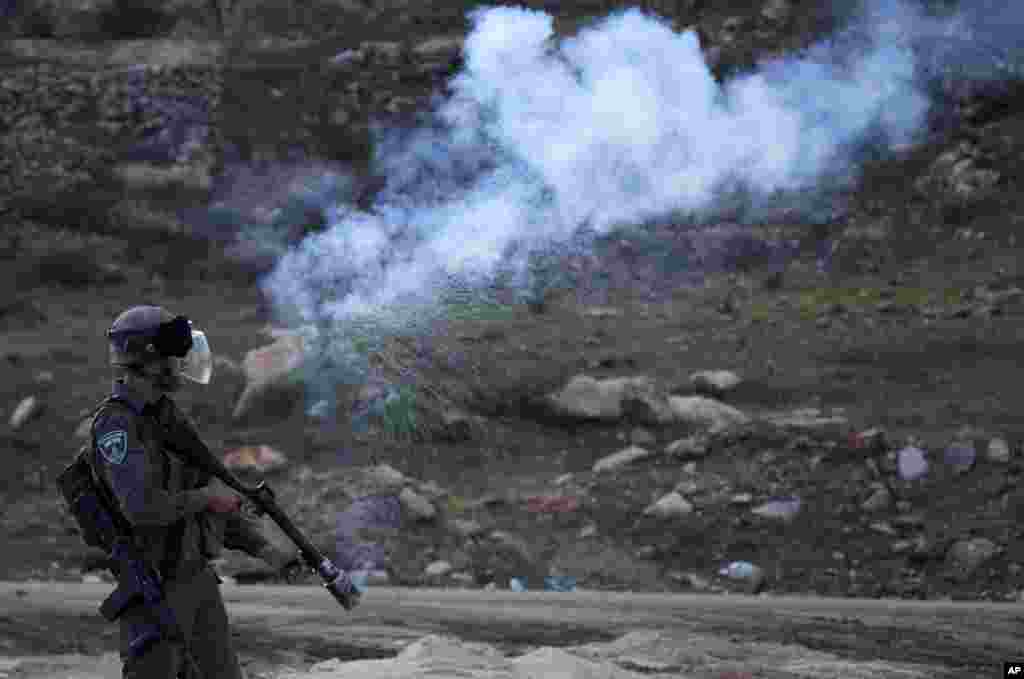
400	414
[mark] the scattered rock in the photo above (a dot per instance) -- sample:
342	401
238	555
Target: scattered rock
465	528
966	556
806	419
641	437
386	476
777	11
692	580
689	447
998	451
29	408
463	579
911	463
647	552
880	499
670	506
699	411
456	426
883	527
440	47
873	440
512	543
340	117
418	507
255	458
602	312
714	383
438	569
621	459
588	531
84	429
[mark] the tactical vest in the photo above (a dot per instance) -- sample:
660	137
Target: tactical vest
93	506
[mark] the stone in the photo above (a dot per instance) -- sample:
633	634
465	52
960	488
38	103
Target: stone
588	531
27	409
807	419
998	451
418	507
612	399
706	413
966	556
465	528
621	459
463	579
714	383
880	499
438	569
564	480
641	437
438	48
689	447
340	117
386	476
84	429
670	506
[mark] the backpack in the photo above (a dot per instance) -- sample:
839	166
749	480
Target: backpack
88	500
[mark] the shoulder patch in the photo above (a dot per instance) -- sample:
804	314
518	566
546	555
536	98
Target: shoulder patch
113	446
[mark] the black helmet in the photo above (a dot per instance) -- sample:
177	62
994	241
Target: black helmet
146	336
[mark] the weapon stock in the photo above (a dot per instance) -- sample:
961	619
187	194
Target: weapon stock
186	443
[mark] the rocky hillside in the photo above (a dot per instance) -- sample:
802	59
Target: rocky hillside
846	421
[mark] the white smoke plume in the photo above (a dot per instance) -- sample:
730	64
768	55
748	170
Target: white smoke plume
542	140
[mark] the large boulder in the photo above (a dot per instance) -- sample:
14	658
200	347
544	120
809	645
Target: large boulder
612	399
269	369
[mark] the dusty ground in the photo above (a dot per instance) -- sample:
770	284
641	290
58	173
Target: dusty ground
702	636
926	365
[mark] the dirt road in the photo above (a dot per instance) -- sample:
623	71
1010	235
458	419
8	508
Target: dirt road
952	639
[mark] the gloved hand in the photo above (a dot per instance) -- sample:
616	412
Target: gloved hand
294	571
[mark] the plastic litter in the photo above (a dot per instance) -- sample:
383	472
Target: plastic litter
961	456
739	570
517	585
560	583
551	504
784	509
911	463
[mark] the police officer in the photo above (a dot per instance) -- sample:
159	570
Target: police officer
180	517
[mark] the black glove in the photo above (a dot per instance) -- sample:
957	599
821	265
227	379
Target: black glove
294	571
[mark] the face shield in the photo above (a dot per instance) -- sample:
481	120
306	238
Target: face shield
197	364
187	349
